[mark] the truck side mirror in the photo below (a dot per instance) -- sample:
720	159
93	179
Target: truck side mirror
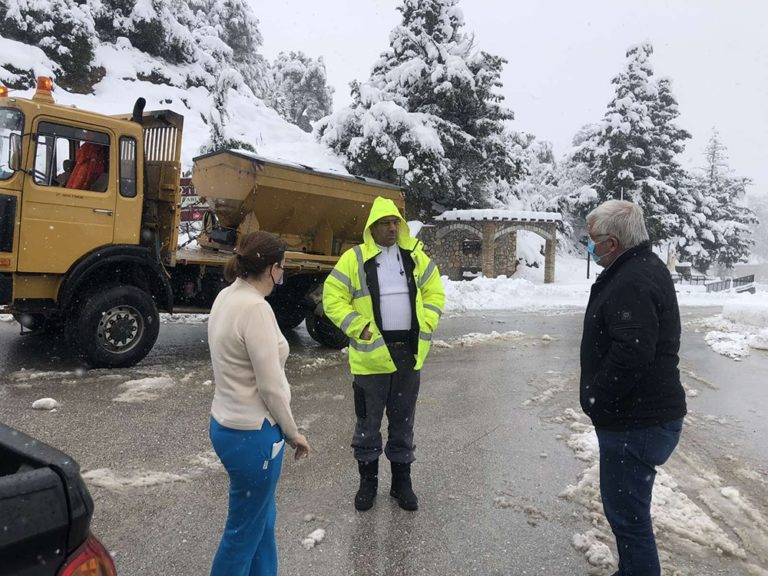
14	152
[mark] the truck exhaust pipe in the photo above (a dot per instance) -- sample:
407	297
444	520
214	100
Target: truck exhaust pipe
138	111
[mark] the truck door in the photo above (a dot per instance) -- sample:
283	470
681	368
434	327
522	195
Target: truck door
68	204
11	178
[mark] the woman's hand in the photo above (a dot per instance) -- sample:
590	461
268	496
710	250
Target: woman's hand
300	444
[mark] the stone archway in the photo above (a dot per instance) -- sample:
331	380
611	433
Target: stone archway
545	230
448	237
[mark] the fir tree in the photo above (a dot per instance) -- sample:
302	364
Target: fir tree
237	27
161	28
632	152
298	89
63	29
433	73
717	227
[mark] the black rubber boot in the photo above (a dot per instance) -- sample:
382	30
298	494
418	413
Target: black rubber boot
401	486
369	483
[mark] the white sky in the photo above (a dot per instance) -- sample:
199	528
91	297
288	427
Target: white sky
562	55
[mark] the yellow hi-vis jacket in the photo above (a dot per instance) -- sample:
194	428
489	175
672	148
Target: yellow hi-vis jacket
347	298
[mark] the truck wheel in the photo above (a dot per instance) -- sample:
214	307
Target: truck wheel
324	331
117	327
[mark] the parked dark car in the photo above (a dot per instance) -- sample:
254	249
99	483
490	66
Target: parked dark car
45	513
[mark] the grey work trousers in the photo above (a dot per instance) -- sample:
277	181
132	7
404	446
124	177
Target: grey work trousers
397	392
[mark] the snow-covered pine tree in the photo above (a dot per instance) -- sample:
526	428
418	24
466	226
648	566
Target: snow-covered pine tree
298	89
236	26
63	29
431	75
161	28
538	185
719	225
632	152
758	203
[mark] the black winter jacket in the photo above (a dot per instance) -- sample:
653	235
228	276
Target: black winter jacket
630	344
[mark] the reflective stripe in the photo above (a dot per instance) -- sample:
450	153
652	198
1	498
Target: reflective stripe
343	278
425	336
434	309
347	322
360	274
360	347
427	274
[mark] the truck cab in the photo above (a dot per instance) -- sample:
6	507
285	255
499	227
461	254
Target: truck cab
88	215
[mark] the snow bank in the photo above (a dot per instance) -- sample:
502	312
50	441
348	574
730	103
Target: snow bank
106	478
748	309
742	326
143	390
679	520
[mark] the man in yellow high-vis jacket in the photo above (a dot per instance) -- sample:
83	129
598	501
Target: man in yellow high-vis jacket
387	296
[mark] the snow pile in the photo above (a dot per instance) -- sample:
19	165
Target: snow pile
474	338
750	310
313	539
106	478
143	390
597	553
191	319
504	293
31	375
6	317
742	326
730	345
45	404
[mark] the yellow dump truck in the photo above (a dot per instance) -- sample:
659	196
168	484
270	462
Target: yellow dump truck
89	225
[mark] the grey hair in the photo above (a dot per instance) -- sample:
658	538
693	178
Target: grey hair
621	219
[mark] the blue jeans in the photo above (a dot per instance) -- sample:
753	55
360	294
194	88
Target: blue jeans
248	546
628	461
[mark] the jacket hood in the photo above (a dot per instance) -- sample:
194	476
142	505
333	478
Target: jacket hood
383	207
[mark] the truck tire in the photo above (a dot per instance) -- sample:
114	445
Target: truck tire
325	332
116	327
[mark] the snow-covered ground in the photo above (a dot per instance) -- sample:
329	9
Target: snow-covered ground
709	521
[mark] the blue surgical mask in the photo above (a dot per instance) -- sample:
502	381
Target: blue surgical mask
591	249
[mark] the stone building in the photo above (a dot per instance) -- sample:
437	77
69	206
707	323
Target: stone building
466	242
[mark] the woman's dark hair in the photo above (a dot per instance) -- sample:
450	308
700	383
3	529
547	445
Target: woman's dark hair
255	252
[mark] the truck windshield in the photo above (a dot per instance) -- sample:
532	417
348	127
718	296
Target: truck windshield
11	124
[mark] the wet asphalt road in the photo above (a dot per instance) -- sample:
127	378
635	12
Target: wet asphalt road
491	457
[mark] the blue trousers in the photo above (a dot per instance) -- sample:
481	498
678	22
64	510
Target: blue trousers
248	546
628	461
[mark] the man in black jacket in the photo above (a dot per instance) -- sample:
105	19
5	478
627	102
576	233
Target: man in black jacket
630	383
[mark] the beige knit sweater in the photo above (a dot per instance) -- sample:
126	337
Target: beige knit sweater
248	353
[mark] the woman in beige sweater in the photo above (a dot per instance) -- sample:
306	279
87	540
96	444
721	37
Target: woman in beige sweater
251	413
